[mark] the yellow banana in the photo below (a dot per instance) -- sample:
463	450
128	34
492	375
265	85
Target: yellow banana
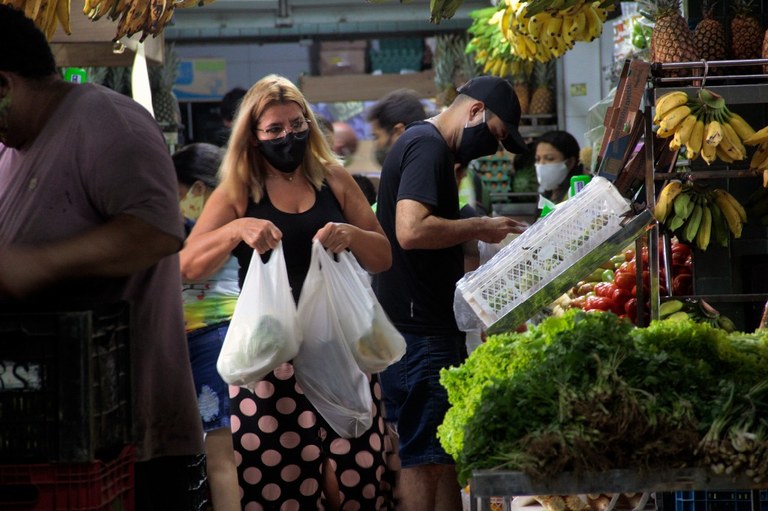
737	151
708	153
31	8
667	102
685	129
704	234
713	133
719	192
62	14
594	23
670	121
740	126
760	158
722	154
732	217
536	24
579	25
667	196
693	145
758	137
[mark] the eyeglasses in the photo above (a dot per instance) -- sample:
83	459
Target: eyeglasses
299	128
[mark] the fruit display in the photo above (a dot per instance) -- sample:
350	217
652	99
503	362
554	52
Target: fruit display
703	125
698	215
696	310
613	286
539	30
746	32
148	17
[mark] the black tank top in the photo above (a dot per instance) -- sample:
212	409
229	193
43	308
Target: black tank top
298	230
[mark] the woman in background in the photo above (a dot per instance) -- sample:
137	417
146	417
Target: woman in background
208	307
557	160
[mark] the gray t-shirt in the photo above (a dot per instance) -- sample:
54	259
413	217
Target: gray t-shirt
99	156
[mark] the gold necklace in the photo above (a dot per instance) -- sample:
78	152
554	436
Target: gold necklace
286	176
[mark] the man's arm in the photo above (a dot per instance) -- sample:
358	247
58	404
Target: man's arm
418	228
118	248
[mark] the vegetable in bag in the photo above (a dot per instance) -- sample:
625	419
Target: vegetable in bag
264	331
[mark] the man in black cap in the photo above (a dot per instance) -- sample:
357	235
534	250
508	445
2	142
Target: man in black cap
419	210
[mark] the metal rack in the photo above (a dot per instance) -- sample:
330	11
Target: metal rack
731	87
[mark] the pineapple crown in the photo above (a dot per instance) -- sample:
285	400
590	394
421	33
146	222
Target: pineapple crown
657	9
743	7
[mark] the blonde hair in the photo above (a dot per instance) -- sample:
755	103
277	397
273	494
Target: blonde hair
243	170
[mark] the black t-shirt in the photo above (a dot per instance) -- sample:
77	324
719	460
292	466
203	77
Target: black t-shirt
298	230
417	291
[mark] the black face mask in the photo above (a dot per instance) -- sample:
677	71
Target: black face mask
285	154
476	142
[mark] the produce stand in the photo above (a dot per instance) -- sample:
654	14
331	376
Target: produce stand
496	483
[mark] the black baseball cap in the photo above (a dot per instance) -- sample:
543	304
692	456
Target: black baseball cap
500	98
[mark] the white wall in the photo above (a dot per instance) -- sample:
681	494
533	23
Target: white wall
584	64
247	63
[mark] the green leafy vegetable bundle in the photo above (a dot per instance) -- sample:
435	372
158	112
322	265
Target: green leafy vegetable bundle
590	392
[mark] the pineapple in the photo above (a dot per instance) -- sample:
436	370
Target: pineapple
164	102
765	51
543	97
520	80
709	35
746	34
671	40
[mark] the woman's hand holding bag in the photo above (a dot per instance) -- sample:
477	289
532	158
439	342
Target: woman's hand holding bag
264	331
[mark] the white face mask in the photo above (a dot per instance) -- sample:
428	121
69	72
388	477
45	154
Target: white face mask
550	175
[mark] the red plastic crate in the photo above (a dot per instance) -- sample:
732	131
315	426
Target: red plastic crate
94	486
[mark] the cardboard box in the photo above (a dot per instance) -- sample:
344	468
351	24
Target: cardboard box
342	57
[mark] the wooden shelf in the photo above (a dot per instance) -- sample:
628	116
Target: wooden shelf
364	87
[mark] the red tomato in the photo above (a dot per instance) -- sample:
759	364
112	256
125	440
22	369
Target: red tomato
681	248
598	303
621	296
627	267
605	289
682	285
630	308
629	254
624	280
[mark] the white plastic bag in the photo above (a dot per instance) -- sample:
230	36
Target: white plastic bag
375	342
264	331
325	367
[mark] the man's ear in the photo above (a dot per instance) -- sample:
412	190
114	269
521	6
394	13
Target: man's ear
398	129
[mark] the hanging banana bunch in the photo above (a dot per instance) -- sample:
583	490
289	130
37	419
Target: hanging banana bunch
538	30
698	215
47	14
149	17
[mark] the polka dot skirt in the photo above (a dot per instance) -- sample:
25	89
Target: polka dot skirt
281	443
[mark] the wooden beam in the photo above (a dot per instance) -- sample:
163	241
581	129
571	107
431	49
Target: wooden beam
364	87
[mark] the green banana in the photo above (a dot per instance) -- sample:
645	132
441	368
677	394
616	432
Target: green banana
682	205
670	307
719	226
693	223
704	234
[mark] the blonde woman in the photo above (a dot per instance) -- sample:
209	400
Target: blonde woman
280	181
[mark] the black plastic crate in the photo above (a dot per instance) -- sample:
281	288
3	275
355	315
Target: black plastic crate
64	384
724	500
